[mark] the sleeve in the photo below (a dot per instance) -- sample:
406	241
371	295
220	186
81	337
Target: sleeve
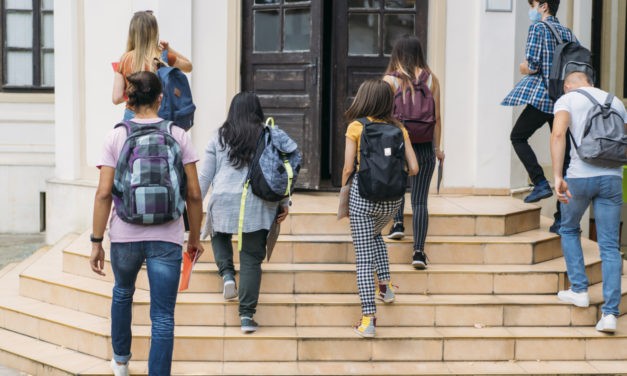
171	58
208	169
533	50
187	147
354	131
563	104
109	155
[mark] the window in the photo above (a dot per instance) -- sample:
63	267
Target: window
281	26
375	25
27	28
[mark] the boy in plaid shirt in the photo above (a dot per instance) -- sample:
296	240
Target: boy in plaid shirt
532	91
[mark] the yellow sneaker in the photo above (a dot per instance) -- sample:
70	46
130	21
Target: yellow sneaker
366	327
386	292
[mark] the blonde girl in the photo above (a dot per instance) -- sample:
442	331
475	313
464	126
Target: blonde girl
408	64
143	53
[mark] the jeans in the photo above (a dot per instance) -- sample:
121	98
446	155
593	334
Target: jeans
606	195
250	258
128	114
163	261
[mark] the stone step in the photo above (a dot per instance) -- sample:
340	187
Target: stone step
91	335
94	297
448	215
530	247
544	278
41	358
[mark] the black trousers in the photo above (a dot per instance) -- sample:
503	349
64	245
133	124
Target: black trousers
527	124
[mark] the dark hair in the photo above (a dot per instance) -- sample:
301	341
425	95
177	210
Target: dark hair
242	128
143	89
553	5
407	55
375	99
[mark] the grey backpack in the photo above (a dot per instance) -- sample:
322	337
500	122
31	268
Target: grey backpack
604	142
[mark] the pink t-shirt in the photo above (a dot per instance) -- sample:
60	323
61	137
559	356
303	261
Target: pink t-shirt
123	232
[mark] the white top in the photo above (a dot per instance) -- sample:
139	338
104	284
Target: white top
577	105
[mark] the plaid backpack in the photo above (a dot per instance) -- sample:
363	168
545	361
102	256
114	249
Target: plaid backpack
150	184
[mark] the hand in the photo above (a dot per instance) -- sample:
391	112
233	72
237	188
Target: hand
164	44
195	249
524	67
439	154
561	189
281	217
96	260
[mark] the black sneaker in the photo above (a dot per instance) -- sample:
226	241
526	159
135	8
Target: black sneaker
419	260
248	325
397	232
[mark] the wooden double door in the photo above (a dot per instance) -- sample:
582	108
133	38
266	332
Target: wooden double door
306	59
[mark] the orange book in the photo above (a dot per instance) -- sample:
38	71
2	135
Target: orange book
189	261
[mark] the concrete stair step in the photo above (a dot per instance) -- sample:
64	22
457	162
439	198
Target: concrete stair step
94	297
314	213
543	278
41	358
529	247
90	335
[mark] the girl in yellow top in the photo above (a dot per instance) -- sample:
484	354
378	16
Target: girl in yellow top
374	100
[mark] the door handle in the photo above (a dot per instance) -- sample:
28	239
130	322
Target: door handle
314	71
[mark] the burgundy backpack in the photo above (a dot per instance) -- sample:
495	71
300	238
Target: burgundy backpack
418	115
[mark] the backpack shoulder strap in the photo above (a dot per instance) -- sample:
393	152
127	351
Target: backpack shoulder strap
364	121
166	126
128	125
590	97
609	100
164	56
553	31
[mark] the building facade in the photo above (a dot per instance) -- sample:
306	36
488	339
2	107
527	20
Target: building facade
304	58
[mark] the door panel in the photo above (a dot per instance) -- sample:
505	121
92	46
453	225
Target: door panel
281	47
364	34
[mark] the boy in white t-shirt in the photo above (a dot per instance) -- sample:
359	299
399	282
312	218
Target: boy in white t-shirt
585	184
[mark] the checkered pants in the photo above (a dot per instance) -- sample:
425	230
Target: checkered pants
367	219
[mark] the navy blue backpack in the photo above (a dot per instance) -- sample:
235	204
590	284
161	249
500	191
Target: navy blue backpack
177	104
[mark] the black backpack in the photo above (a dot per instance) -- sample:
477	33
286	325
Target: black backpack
382	174
568	57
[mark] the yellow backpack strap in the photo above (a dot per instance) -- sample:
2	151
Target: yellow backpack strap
242	209
270	122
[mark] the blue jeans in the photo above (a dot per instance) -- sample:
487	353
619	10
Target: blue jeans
128	114
606	195
163	261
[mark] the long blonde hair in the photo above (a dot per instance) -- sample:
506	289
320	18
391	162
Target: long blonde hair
143	40
407	56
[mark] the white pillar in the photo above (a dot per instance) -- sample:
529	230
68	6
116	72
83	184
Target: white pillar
216	60
481	68
68	59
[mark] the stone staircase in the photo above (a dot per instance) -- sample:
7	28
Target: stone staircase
486	304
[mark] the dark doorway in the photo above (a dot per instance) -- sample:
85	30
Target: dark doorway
306	59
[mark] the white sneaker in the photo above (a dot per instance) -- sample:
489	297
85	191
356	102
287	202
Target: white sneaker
607	324
119	369
580	299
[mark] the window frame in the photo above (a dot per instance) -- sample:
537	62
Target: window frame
37	50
